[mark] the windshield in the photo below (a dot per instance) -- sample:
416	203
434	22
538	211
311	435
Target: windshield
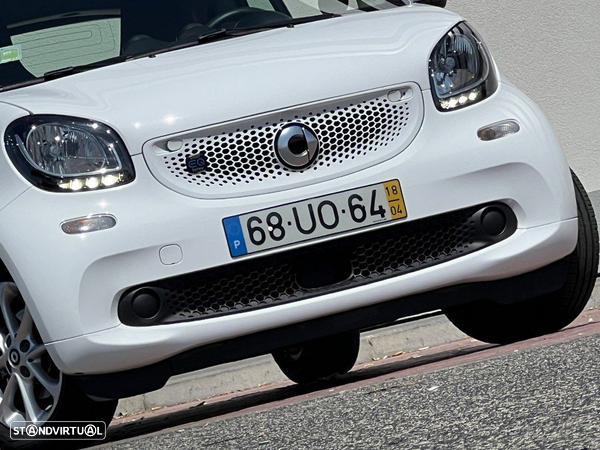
47	36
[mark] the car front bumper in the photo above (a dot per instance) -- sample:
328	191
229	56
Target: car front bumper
73	284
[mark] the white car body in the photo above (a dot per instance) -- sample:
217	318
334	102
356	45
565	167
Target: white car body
73	283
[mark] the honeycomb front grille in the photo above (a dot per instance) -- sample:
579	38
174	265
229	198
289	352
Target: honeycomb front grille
353	133
276	279
247	156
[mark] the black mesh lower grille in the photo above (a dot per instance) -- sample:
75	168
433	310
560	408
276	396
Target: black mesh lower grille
319	268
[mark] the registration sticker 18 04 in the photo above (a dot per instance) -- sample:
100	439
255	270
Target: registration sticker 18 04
315	218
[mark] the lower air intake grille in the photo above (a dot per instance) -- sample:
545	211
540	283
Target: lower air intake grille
318	269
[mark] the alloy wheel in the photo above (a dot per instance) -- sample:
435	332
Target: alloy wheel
30	383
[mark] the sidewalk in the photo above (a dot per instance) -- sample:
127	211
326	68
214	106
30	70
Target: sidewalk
256	372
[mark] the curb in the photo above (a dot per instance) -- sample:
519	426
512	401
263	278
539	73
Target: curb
256	372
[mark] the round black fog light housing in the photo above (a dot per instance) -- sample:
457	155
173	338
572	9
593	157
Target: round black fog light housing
145	304
493	221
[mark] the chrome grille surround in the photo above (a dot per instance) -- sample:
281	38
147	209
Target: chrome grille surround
355	132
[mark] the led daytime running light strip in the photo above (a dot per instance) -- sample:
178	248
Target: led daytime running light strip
91	183
462	99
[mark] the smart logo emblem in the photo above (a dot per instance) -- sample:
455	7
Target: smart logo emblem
296	146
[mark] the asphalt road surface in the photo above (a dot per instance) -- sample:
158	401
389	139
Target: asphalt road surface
541	394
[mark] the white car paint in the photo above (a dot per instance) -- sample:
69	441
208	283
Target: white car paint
72	284
174	92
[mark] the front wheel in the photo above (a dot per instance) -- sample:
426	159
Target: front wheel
320	359
32	388
501	324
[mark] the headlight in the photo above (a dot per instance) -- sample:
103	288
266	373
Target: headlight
67	154
461	70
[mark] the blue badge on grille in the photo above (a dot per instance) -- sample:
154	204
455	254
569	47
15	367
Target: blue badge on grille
195	164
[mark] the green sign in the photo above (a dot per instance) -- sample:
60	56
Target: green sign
10	54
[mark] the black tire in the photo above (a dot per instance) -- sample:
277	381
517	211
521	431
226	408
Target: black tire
74	405
502	324
319	360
